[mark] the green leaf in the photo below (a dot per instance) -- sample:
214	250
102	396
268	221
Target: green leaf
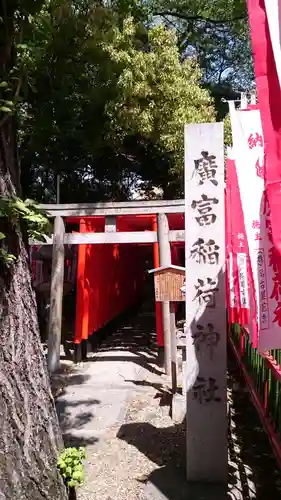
34	218
21	46
78	468
78	476
35	235
20	206
4	109
61	462
6	257
9	103
31	203
2	236
10	257
3	85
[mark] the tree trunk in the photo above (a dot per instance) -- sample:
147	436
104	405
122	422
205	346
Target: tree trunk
30	436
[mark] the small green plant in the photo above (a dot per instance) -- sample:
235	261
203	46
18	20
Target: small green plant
71	467
27	211
30	215
8	258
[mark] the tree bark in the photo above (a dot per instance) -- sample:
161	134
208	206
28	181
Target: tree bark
30	437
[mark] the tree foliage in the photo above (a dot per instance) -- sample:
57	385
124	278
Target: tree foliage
216	32
103	90
107	104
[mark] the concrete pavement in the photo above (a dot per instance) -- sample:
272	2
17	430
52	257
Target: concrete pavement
96	393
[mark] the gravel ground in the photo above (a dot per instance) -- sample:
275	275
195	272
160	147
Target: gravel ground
119	464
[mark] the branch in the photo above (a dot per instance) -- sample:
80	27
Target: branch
173	24
18	89
186	17
4	119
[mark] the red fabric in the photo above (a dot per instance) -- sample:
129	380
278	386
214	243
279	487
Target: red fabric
233	304
237	246
238	240
228	251
269	96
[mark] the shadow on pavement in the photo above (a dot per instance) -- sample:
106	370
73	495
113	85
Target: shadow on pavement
253	471
166	448
70	416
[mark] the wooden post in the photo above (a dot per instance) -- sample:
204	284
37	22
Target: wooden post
173	341
82	299
184	387
253	97
158	305
206	403
58	188
244	100
168	319
57	281
110	224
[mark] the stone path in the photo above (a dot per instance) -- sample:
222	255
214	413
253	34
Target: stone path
118	405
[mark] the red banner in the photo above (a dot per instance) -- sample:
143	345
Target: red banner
262	15
232	289
241	297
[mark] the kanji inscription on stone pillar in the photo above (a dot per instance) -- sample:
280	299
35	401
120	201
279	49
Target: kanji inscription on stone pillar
205	303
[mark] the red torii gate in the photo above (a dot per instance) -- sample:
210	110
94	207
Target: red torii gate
103	268
109	234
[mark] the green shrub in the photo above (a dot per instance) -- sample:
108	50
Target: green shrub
71	467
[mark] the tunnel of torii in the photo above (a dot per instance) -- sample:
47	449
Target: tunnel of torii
110	263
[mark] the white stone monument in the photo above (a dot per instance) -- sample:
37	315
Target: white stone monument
205	303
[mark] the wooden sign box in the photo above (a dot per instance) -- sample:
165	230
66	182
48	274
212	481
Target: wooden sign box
168	281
